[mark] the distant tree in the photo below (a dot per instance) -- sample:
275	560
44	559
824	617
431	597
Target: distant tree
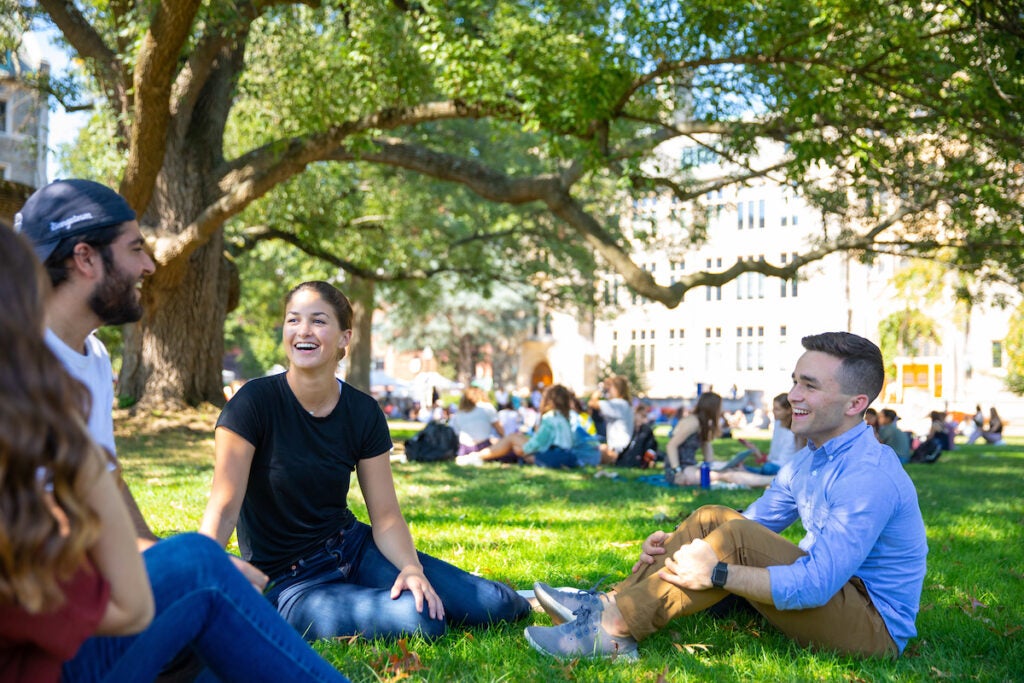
628	367
1013	347
462	325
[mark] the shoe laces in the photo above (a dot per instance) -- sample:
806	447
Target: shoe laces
593	590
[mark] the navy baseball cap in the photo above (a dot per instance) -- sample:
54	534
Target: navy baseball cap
66	208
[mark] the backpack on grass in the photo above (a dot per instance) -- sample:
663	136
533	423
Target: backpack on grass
435	442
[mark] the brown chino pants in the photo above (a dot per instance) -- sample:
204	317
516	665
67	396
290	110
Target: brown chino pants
847	623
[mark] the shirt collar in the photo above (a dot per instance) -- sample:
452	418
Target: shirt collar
838	444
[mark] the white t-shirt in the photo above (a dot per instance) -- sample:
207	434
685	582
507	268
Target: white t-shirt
93	370
474	425
783	445
618	415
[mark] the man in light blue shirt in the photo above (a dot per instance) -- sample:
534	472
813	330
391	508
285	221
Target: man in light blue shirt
853	584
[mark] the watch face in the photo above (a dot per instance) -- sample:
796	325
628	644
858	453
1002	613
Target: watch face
719	575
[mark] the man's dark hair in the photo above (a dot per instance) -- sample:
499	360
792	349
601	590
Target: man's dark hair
862	370
99	239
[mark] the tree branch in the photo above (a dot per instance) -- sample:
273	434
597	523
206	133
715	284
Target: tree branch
80	34
254	174
155	67
256	234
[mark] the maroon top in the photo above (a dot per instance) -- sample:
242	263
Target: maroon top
34	646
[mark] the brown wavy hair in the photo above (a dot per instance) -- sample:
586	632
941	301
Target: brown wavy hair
709	413
557	398
48	462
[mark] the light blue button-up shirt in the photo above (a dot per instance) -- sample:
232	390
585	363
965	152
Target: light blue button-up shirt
859	509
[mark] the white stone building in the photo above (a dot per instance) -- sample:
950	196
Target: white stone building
743	338
24	121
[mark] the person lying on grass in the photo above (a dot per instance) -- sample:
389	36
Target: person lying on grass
852	585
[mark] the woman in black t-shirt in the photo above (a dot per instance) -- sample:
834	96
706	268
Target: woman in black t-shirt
286	447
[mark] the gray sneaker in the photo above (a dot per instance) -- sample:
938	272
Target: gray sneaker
582	637
561	605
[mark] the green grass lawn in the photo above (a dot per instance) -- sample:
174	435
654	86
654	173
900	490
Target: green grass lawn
519	525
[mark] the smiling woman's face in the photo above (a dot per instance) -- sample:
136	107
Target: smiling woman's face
312	334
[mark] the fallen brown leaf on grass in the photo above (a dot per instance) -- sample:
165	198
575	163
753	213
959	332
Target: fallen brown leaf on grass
392	667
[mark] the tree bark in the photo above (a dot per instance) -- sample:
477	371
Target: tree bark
361	292
468	354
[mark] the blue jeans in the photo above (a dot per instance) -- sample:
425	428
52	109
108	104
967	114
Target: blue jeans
768	468
556	457
345	589
202	602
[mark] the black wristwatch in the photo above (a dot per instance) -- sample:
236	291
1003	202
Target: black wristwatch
719	575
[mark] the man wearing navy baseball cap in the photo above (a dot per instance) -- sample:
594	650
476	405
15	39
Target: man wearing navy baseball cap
90	244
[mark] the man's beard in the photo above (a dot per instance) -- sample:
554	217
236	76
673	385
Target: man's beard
114	300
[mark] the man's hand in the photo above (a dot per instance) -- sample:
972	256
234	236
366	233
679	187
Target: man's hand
253	575
653	545
690	567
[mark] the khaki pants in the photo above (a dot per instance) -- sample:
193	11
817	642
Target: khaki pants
847	623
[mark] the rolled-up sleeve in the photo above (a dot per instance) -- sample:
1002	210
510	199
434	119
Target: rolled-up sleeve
842	526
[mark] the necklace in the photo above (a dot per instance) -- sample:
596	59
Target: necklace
321	406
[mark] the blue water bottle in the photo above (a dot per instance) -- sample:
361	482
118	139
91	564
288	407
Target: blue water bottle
705	475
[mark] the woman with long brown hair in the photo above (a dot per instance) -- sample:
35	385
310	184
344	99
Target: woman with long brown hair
695	432
69	567
286	447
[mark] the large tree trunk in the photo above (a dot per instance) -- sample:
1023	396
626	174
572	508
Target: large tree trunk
174	355
361	293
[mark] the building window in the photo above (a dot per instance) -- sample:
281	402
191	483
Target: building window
739	215
997	354
739	355
3	116
760	214
782	330
760	355
718	293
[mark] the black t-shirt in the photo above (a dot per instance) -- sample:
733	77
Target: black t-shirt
296	497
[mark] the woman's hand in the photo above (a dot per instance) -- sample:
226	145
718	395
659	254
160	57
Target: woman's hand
653	545
413	579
